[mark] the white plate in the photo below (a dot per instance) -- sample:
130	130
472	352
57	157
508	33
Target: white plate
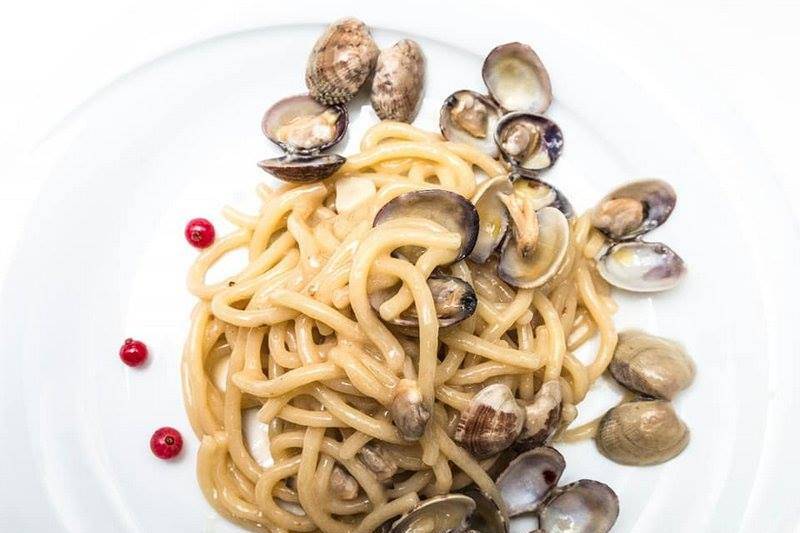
104	258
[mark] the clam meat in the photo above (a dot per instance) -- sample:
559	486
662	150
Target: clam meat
517	79
640	266
408	411
448	209
453	298
634	209
536	260
650	365
542	416
585	506
301	125
398	82
529	143
470	118
529	478
644	432
492	217
492	422
341	61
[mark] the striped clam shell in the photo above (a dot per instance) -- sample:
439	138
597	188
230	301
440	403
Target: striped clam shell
341	62
492	422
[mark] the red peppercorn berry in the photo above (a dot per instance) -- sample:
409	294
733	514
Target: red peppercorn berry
200	233
166	443
133	352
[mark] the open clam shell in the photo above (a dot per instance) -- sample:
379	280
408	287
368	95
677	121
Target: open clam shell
529	478
302	169
543	263
544	194
634	209
448	209
487	517
517	79
341	61
438	514
530	143
470	118
585	506
492	217
301	125
640	266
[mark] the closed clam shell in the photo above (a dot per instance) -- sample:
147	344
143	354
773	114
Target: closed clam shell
651	365
645	432
398	82
492	422
341	62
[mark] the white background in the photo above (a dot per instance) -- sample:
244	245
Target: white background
53	56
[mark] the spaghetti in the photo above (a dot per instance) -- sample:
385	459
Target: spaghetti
303	344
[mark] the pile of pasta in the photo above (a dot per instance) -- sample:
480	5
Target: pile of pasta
303	345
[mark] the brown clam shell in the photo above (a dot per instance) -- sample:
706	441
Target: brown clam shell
641	433
341	62
492	422
398	82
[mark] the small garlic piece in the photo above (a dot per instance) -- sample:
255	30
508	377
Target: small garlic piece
352	191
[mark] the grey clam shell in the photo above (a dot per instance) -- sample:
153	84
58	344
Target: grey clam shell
651	365
398	81
302	169
517	79
644	432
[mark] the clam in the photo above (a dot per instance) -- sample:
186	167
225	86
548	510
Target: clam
342	484
644	432
517	79
542	416
454	299
448	209
641	266
585	506
533	265
541	194
470	118
439	514
492	217
377	461
487	517
634	209
408	410
397	85
341	62
491	423
302	168
299	124
529	142
529	478
651	365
